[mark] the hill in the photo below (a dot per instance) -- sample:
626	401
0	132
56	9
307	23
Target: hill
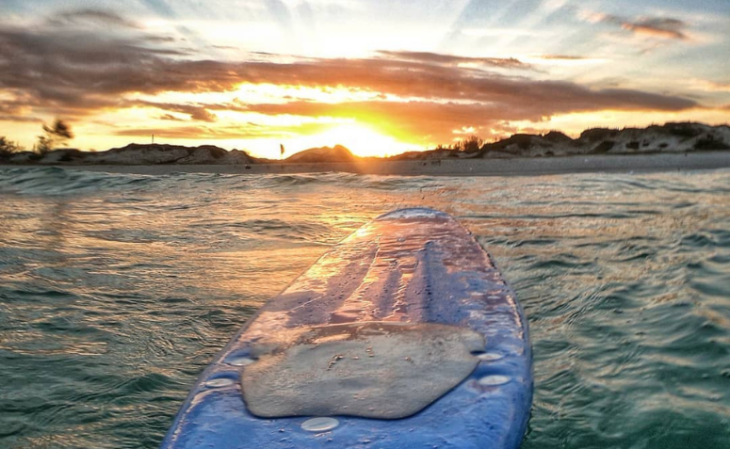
136	154
669	138
338	153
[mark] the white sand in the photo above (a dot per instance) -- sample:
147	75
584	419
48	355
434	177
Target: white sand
457	167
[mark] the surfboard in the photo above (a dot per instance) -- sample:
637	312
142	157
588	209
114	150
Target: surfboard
403	335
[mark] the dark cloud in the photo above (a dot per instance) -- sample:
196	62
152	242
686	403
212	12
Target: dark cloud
73	71
195	111
663	27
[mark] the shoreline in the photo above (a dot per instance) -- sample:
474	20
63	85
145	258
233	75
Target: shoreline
646	163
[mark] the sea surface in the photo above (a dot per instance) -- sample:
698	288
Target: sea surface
116	290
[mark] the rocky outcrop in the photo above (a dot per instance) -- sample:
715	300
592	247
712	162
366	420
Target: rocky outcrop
136	154
159	154
338	153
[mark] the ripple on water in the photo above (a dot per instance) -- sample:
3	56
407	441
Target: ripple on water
116	291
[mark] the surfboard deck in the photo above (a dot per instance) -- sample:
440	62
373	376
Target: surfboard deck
403	335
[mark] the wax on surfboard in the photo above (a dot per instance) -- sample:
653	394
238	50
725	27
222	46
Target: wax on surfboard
403	335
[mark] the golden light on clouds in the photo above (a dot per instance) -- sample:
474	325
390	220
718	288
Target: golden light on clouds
377	77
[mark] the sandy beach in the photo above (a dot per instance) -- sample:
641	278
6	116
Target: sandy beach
456	167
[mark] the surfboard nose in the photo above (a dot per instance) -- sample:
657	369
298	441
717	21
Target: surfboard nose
406	318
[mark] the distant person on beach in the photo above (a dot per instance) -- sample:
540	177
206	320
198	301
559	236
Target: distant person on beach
281	148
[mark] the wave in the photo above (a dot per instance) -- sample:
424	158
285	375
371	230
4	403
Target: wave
54	181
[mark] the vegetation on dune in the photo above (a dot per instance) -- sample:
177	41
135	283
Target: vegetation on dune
58	134
670	137
7	148
471	144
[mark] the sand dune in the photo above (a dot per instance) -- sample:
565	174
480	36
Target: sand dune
460	167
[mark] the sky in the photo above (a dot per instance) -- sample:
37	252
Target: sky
380	77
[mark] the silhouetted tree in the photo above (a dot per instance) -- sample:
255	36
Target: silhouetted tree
472	144
7	148
56	135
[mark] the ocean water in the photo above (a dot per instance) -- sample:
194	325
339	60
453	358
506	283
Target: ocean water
116	290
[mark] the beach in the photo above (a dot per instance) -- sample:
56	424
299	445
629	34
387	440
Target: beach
645	163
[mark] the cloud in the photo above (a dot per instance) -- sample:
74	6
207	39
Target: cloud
170	117
19	119
91	16
180	132
438	58
661	27
247	130
563	57
709	85
423	118
80	71
72	72
195	111
17	110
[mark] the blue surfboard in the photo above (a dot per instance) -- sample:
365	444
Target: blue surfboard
403	335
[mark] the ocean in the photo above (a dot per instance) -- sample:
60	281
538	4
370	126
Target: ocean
116	290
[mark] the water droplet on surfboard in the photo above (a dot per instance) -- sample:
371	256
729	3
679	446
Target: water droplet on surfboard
240	361
320	424
219	382
490	356
493	381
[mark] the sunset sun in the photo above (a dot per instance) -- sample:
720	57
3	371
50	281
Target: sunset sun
362	140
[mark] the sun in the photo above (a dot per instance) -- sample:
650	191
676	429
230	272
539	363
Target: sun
362	140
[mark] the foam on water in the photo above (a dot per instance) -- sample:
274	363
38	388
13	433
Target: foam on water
117	290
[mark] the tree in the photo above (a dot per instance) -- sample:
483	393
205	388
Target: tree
472	144
6	148
59	134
